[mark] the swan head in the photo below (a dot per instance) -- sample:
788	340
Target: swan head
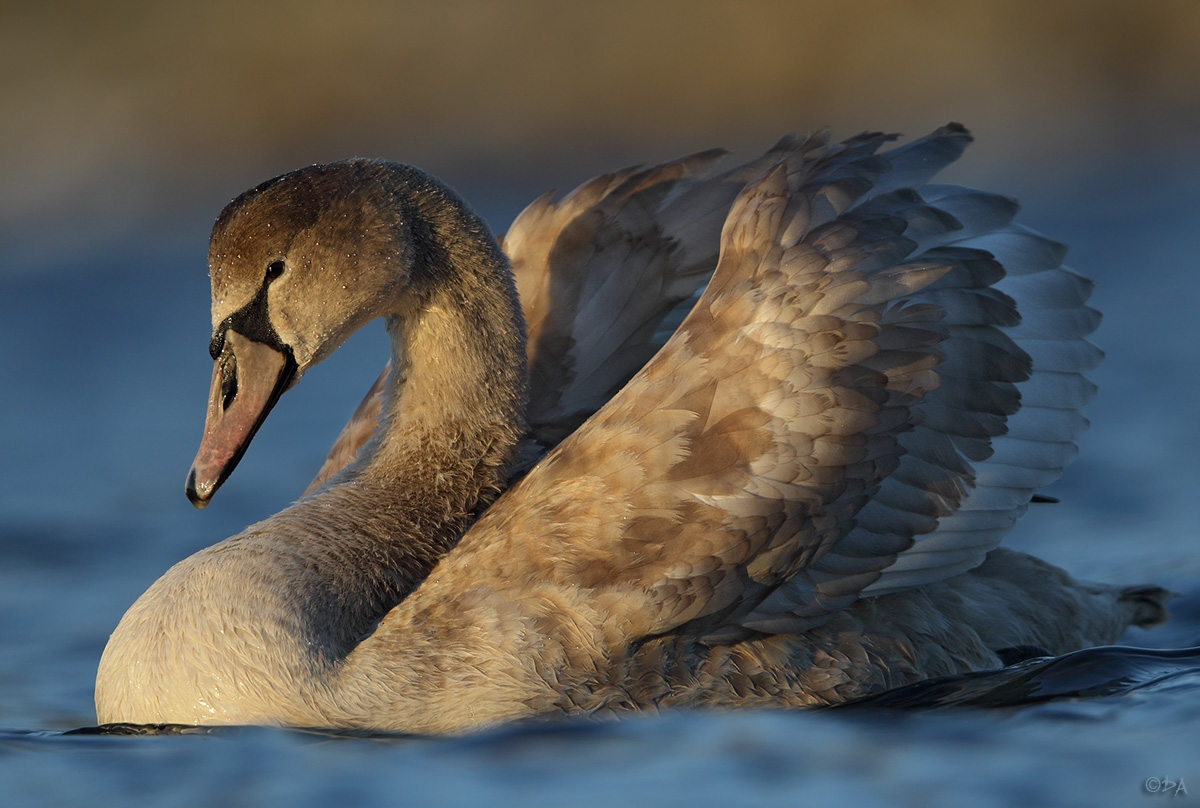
297	264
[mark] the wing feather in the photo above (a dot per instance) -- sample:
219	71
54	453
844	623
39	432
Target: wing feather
775	452
863	399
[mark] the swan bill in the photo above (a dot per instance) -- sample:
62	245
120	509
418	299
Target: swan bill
248	378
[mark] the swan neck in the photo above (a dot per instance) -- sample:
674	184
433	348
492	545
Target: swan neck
454	403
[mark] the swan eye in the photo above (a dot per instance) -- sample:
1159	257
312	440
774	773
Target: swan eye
274	270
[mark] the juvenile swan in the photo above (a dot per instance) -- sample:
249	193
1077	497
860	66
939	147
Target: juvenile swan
795	501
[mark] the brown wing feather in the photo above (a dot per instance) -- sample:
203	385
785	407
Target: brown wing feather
744	450
825	413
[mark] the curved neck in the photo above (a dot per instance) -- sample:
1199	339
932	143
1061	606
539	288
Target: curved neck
454	403
453	415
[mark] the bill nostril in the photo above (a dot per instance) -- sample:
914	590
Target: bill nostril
229	384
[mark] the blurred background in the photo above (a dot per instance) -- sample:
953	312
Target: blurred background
126	126
119	118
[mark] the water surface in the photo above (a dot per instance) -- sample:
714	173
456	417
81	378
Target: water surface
105	375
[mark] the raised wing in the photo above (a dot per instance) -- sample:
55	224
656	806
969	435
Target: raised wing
840	411
599	272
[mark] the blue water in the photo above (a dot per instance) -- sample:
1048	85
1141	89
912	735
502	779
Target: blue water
105	373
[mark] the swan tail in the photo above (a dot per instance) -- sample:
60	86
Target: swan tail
1147	604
